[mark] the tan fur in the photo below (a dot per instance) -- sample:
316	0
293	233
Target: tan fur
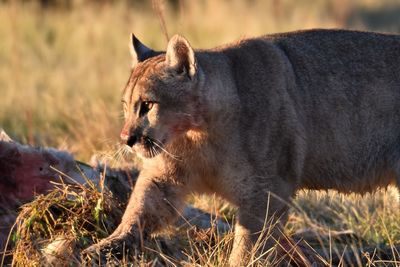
257	120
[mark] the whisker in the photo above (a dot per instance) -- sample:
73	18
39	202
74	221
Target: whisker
117	156
113	154
160	146
127	149
183	113
156	151
152	148
124	152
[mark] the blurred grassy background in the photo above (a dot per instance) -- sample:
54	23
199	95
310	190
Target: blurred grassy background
63	63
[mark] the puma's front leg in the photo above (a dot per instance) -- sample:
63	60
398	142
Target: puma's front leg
153	204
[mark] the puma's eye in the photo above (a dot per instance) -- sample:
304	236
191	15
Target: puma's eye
145	107
148	104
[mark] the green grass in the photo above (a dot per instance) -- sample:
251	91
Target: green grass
62	71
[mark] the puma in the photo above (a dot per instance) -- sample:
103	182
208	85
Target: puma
257	120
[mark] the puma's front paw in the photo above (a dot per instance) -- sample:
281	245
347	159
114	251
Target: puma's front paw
108	251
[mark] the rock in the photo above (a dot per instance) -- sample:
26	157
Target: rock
202	219
59	252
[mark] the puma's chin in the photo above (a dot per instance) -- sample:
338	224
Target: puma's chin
147	151
143	153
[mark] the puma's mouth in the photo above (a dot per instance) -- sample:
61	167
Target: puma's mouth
150	147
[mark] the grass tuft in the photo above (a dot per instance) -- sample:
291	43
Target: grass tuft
56	226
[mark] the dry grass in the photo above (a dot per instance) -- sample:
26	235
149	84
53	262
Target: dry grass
332	228
69	218
61	73
54	228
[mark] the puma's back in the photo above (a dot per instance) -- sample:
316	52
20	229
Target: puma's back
332	95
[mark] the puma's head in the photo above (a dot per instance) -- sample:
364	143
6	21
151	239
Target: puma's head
161	99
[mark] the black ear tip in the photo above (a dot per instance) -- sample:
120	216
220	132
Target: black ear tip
140	51
135	40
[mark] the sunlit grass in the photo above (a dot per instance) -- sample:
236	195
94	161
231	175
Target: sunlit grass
329	227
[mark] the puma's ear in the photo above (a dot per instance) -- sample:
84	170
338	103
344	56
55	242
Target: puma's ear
139	51
180	56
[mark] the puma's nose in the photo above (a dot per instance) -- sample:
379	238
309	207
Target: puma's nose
124	137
